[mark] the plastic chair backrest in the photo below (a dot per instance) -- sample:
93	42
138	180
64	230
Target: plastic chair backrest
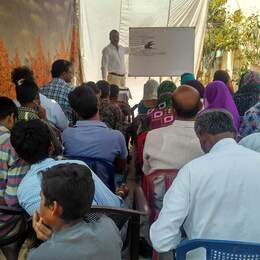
167	175
220	249
101	168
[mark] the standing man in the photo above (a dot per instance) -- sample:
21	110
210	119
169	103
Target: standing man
113	65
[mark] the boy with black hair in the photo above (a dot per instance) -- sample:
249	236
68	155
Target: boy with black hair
54	112
12	170
66	198
32	142
27	93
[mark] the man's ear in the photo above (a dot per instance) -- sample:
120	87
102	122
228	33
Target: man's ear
56	209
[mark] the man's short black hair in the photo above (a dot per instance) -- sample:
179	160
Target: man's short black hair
104	88
84	101
92	85
59	67
114	91
22	72
215	121
72	186
221	75
26	91
7	107
31	140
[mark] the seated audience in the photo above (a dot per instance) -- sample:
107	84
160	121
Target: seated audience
217	96
66	198
27	94
12	170
222	75
90	137
214	195
252	142
32	142
250	121
124	107
185	77
248	91
198	86
162	114
173	146
53	110
59	87
110	114
149	96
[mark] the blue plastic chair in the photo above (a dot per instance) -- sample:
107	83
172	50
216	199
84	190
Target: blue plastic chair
220	249
101	168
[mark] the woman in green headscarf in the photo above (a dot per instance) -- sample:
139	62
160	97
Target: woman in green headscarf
162	115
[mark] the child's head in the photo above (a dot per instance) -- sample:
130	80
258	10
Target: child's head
27	93
67	194
8	111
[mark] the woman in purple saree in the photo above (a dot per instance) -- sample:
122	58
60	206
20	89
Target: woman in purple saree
217	95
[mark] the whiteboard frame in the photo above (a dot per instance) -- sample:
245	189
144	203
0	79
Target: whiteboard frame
165	27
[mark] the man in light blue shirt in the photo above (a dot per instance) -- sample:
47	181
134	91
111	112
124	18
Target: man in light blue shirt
215	195
31	140
90	137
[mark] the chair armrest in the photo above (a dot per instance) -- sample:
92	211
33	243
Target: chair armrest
140	201
11	210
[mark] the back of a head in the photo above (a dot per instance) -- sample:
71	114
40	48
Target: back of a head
92	85
7	108
84	102
31	140
72	187
186	102
213	122
150	90
185	77
250	81
104	88
114	91
222	75
26	91
166	86
198	86
22	72
59	67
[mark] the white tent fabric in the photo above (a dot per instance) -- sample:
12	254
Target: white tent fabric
99	17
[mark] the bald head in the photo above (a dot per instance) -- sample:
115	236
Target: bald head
186	102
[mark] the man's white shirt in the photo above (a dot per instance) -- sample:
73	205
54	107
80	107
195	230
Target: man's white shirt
113	59
214	197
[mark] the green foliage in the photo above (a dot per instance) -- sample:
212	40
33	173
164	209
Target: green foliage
231	32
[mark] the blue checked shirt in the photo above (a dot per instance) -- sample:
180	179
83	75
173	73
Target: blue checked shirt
59	90
251	121
28	192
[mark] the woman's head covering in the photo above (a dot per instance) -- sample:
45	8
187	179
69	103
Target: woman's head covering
186	77
197	85
150	89
248	91
249	79
217	95
164	93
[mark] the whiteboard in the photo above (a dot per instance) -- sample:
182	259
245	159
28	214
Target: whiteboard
171	55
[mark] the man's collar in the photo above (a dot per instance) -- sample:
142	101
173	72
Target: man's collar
223	143
90	123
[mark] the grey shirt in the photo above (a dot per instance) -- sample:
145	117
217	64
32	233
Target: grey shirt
95	240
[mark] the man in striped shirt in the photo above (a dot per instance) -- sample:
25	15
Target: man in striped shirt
12	169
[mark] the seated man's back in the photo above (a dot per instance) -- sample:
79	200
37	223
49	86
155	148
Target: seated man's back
213	196
173	146
86	240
